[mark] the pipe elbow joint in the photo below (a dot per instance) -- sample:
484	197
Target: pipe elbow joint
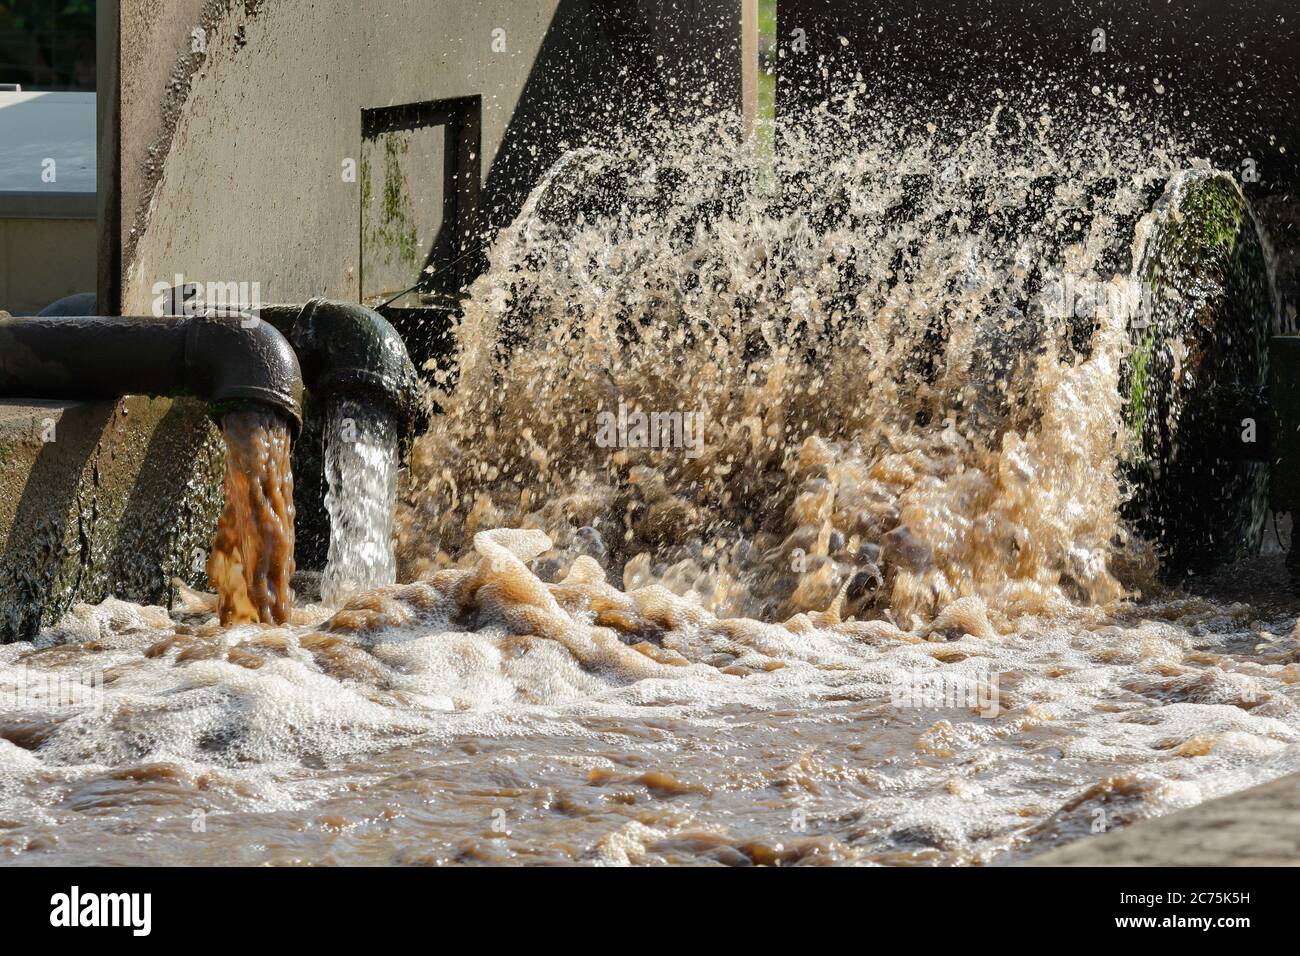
235	360
350	351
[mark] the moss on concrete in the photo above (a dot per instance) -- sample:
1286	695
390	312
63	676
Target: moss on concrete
101	498
393	237
1197	357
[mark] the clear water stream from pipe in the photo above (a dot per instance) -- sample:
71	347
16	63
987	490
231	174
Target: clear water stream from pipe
361	472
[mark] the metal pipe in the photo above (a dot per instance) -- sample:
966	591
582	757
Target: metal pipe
81	303
343	350
227	360
350	351
346	349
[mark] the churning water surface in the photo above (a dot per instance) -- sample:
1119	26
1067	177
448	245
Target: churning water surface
884	611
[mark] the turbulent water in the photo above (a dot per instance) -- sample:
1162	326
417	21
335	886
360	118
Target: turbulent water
361	471
252	564
903	358
773	517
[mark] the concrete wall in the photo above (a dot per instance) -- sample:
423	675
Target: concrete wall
100	498
233	145
42	260
224	127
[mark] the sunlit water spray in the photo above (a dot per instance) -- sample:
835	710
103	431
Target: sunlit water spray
361	470
903	410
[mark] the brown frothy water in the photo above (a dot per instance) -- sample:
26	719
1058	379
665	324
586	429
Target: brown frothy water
775	645
484	716
251	564
896	410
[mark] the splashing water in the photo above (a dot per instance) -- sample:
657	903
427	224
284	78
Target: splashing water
251	564
900	409
619	646
361	470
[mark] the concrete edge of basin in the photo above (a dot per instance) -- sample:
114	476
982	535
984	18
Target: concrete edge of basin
1255	827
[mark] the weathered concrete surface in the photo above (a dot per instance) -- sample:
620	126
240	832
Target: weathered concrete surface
42	260
237	119
231	145
100	498
1257	827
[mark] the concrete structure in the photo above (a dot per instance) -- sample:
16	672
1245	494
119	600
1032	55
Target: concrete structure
1257	827
100	498
1221	75
47	198
252	136
251	142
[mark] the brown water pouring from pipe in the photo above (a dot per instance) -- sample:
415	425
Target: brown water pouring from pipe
249	369
248	373
252	563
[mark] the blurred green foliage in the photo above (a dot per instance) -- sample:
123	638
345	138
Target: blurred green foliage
48	43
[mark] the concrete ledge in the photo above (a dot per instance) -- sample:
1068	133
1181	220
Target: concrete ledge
47	205
100	498
1257	827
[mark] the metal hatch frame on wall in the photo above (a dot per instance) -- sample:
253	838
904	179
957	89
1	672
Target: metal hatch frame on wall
453	259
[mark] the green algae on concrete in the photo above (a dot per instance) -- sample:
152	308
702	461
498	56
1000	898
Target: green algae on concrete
103	498
1199	359
393	236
